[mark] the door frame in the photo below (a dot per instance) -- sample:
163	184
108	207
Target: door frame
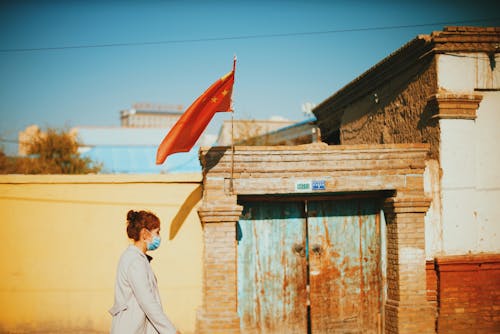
396	171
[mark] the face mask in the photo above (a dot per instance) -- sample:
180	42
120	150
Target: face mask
154	244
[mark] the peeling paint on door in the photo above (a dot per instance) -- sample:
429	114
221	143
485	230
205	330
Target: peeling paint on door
272	273
332	245
344	239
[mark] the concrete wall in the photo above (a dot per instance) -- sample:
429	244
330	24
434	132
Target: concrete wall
62	237
470	157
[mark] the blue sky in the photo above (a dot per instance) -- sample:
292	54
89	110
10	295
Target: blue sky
275	75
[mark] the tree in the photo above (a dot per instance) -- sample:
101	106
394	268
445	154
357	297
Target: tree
53	152
7	164
248	132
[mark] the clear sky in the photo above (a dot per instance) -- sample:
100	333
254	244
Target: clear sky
276	74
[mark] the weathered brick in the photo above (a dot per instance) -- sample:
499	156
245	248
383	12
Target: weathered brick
468	294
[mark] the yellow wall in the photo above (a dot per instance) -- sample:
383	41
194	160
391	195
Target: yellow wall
61	237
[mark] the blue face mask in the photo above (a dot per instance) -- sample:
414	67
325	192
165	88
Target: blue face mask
154	244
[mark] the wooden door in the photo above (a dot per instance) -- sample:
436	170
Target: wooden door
344	259
272	268
332	246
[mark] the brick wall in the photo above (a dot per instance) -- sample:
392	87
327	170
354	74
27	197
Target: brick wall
432	283
407	307
392	169
468	294
218	313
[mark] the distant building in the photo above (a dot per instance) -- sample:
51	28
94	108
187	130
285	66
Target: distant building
131	147
243	130
149	115
305	132
131	150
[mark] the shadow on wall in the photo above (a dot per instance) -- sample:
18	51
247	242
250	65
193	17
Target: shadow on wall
212	157
184	211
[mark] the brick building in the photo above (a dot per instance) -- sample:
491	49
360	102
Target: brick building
392	227
444	90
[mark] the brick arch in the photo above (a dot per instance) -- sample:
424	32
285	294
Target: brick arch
397	169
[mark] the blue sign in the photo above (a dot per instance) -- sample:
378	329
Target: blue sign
318	185
309	185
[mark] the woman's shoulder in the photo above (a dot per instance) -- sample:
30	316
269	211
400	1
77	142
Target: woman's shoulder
131	254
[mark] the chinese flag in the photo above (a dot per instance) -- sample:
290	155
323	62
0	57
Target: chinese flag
195	119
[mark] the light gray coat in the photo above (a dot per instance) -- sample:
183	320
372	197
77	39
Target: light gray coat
137	308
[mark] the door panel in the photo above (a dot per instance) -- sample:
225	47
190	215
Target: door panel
344	258
272	268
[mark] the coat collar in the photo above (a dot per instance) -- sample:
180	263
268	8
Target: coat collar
135	249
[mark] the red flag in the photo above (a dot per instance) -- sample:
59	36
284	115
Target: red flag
195	119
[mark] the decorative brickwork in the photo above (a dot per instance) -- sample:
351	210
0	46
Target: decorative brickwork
456	106
469	294
390	170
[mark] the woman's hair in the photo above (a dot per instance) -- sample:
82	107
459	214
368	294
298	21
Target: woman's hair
137	220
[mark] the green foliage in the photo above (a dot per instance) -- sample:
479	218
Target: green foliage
51	152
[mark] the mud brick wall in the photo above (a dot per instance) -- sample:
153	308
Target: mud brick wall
397	111
469	294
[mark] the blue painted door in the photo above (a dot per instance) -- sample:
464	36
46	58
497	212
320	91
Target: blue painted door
272	268
344	260
309	267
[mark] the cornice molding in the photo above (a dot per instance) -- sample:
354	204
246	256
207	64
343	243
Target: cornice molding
407	204
454	106
220	213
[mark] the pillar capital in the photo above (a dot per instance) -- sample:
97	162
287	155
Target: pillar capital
455	106
407	204
220	213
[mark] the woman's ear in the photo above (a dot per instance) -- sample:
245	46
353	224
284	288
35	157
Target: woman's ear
143	234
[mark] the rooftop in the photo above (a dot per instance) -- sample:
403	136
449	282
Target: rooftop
450	39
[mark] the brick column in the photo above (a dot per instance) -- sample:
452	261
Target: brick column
407	309
218	313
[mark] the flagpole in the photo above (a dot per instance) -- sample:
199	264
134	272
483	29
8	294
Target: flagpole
231	189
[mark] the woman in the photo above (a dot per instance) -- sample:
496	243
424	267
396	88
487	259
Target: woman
137	308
